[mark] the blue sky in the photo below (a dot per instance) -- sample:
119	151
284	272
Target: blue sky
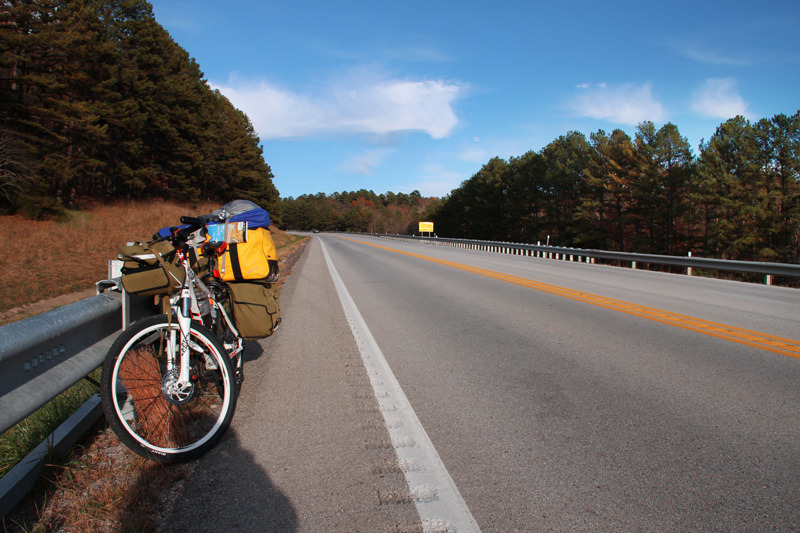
398	96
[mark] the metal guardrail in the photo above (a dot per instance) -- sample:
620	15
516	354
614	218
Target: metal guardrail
23	477
573	254
42	356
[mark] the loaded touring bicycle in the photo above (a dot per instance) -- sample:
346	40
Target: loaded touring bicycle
170	381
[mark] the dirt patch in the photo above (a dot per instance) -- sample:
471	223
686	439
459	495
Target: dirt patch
292	254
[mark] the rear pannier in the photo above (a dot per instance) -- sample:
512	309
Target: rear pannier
254	257
255	308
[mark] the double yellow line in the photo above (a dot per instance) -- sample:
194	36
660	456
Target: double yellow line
755	339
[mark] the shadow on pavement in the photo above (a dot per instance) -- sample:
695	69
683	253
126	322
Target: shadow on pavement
252	351
228	491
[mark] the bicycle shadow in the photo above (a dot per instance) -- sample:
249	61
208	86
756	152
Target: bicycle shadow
228	491
252	350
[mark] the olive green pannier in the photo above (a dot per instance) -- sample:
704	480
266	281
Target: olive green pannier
151	268
255	307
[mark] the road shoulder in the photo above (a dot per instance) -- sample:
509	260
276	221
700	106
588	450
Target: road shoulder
308	450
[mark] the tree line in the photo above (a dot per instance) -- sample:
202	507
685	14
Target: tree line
738	199
97	101
356	211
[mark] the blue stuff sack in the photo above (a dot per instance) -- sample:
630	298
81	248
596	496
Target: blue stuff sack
235	211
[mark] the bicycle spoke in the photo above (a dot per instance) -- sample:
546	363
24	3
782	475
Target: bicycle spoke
145	413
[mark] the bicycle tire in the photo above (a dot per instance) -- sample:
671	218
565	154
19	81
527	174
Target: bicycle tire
136	399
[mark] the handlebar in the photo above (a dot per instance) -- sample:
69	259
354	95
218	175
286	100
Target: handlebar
179	236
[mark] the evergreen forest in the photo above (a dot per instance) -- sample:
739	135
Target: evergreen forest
357	211
738	199
98	102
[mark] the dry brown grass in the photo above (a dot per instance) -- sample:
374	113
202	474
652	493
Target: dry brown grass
43	259
106	488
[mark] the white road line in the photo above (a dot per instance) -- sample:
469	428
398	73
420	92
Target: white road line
439	503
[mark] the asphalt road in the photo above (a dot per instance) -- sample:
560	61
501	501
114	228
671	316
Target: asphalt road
556	396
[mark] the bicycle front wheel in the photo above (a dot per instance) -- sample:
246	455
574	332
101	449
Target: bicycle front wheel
148	412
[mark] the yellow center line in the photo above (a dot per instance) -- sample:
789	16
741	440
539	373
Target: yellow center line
755	339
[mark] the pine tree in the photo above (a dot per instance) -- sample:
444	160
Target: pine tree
98	100
779	161
665	167
730	191
565	186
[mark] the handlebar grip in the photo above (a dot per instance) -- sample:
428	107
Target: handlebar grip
193	221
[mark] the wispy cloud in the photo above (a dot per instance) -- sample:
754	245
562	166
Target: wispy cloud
717	47
714	57
475	154
768	38
719	98
417	52
413	49
622	104
366	161
362	103
435	180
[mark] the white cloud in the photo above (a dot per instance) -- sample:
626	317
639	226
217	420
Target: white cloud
624	104
353	105
719	98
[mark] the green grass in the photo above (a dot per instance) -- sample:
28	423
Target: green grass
21	439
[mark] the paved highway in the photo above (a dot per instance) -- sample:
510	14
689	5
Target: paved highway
415	387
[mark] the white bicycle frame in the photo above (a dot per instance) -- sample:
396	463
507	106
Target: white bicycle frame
185	306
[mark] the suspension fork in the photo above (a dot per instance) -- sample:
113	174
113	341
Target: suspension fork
180	338
184	309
